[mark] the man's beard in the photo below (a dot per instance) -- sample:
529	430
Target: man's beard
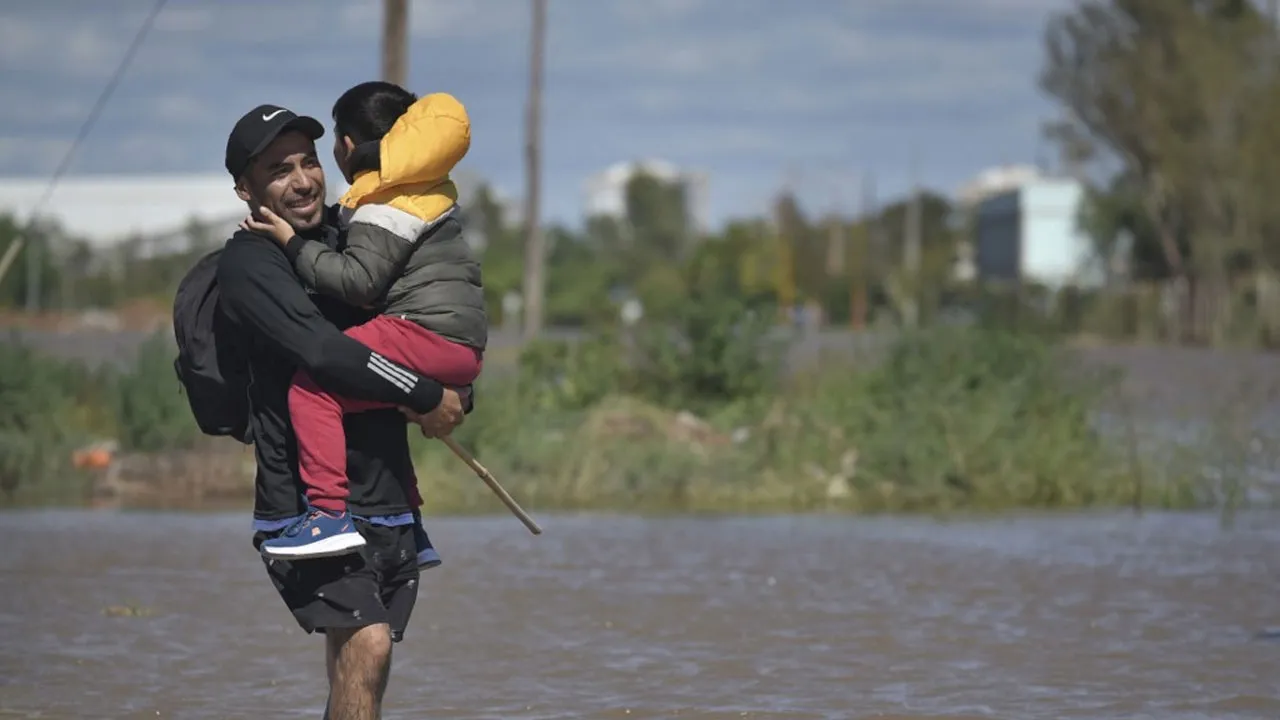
290	210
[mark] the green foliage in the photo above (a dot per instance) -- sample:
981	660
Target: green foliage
657	216
560	375
1178	100
975	417
712	350
49	408
150	412
946	419
36	402
715	349
961	419
38	254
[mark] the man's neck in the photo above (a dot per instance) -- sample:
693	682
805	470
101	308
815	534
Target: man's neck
315	232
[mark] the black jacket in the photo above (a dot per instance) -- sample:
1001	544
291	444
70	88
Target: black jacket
286	329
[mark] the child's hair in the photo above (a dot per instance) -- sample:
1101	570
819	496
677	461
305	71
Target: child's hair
367	111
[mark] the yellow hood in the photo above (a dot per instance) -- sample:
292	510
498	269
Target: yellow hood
416	157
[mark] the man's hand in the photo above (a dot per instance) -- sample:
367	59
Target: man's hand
443	420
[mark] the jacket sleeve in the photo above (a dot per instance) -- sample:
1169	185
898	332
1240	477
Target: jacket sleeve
260	292
379	242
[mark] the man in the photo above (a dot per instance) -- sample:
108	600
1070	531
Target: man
361	602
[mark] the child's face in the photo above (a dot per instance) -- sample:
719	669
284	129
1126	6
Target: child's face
342	147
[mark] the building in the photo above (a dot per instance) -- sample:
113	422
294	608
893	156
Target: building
994	181
1030	234
157	212
606	191
107	210
987	183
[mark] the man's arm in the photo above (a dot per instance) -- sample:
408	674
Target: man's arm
259	291
379	242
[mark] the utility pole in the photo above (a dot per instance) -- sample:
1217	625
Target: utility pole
1273	17
835	239
35	261
395	41
860	277
535	253
911	249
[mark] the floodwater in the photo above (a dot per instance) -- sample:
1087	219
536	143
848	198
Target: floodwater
1164	617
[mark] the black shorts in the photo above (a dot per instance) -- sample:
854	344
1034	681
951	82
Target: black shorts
377	584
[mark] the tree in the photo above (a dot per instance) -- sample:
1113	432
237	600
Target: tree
1110	212
1169	91
657	216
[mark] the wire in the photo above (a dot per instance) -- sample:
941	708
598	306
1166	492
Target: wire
88	124
107	92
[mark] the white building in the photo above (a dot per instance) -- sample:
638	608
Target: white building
606	191
993	181
969	197
1031	234
106	210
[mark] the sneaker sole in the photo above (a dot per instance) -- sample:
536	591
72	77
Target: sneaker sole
328	547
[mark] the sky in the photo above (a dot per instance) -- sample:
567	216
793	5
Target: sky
757	94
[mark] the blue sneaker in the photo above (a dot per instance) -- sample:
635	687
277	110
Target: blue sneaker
319	533
427	555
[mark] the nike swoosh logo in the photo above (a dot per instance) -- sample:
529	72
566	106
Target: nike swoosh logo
267	118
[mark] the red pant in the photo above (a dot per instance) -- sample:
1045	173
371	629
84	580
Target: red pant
317	414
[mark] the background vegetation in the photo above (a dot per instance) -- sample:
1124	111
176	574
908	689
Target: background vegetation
950	393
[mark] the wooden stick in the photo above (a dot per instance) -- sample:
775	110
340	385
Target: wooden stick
492	482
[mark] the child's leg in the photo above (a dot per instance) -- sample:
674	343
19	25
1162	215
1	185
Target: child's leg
322	443
417	348
322	449
322	462
317	414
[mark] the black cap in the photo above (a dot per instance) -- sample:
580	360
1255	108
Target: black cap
255	131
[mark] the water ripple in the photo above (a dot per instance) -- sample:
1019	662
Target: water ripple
1102	616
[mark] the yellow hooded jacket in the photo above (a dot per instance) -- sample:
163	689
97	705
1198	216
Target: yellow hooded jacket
416	157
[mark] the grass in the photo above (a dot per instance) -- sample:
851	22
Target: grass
948	421
944	421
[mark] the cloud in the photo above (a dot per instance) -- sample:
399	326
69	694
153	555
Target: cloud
186	20
179	107
18	41
33	155
89	51
55	110
429	19
657	11
742	89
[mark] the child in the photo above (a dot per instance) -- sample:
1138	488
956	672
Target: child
404	254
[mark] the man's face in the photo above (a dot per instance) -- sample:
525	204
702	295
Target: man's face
288	179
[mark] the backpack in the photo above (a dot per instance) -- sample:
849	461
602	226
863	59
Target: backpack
211	364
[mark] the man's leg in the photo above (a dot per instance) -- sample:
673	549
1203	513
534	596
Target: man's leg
359	663
362	603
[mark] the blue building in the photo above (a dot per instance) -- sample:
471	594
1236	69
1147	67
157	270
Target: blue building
1031	234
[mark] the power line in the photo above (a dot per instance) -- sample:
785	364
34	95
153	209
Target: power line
88	124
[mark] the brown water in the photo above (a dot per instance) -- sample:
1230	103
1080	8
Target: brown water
605	617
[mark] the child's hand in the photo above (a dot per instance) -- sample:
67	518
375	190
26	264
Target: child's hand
274	226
